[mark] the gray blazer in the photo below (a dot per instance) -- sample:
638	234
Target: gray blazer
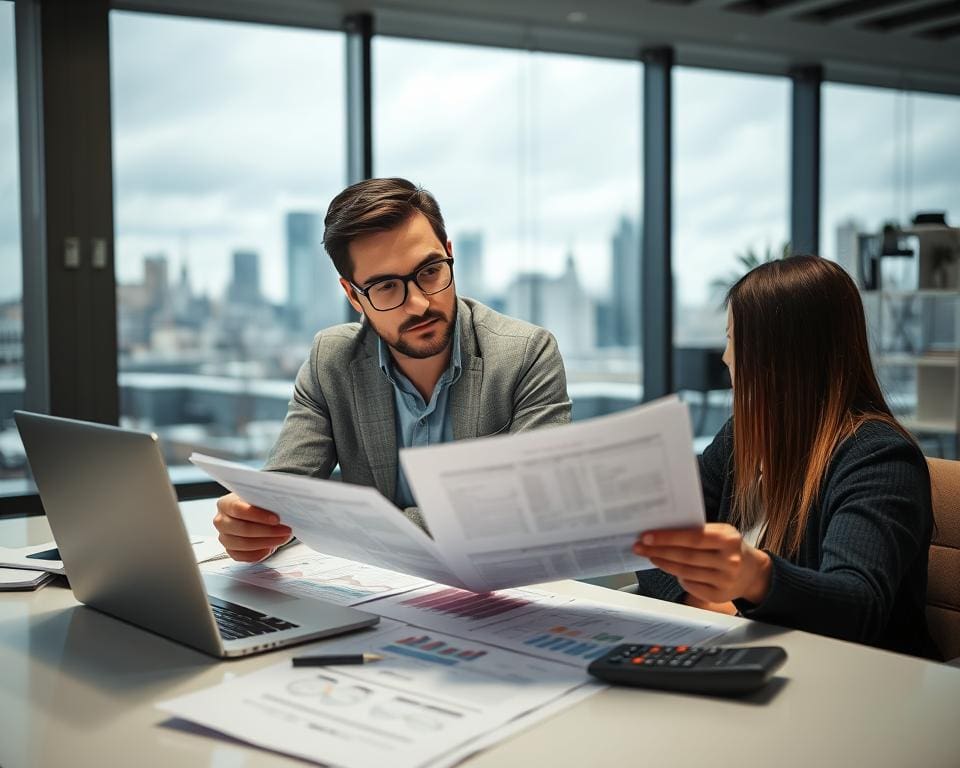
343	412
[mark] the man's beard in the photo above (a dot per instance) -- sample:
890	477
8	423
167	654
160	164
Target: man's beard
427	349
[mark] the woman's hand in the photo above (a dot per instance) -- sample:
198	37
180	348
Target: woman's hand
713	563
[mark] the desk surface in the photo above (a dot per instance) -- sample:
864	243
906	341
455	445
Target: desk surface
77	688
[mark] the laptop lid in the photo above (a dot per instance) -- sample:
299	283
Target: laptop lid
125	549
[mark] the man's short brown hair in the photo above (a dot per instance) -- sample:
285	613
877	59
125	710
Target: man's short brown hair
375	205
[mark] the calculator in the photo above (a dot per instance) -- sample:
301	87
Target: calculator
716	670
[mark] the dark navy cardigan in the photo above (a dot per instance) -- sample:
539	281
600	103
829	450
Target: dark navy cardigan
861	572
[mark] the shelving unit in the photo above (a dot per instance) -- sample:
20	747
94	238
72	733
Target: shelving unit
915	332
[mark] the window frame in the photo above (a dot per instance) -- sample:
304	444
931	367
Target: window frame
44	32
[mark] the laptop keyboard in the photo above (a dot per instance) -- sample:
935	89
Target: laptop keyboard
238	621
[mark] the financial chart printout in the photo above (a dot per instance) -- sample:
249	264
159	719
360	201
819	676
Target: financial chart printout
539	623
431	695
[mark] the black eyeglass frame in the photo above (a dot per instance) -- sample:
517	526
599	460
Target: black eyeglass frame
406	279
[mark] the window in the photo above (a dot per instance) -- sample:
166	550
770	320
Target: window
731	185
886	156
535	161
228	145
889	155
13	463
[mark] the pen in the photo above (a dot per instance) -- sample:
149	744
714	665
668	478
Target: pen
322	660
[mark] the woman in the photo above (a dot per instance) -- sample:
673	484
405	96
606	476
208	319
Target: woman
817	500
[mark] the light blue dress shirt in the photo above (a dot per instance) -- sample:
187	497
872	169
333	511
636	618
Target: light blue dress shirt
420	423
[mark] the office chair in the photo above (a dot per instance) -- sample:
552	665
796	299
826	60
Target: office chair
943	572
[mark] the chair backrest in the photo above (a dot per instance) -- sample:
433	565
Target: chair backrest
943	573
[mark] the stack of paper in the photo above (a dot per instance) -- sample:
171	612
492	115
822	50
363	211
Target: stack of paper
22	579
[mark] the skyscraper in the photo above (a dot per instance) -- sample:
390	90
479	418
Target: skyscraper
625	249
847	253
559	304
155	281
314	297
468	268
245	284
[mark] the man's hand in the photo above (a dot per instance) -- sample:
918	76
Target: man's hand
248	533
713	563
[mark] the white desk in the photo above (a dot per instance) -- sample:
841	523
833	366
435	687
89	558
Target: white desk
77	689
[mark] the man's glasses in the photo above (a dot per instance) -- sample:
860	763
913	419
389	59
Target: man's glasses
391	292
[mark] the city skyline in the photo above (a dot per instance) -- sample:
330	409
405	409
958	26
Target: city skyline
315	299
537	175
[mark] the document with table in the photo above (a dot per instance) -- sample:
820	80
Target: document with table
563	502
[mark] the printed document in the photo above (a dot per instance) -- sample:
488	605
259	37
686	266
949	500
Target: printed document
431	696
561	502
298	570
535	621
557	503
349	521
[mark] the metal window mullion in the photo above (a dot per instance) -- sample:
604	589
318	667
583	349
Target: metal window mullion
359	31
33	219
69	305
359	101
657	273
805	160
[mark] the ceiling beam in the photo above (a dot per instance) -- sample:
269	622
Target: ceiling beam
942	32
704	33
856	12
931	14
798	8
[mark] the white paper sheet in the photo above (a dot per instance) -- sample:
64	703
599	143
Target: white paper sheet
25	558
563	502
430	697
298	570
21	578
205	548
349	521
566	629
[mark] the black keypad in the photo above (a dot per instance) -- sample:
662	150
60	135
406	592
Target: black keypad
237	621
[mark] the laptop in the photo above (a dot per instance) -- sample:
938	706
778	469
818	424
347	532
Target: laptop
126	552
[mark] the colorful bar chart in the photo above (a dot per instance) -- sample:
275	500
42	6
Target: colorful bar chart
436	651
573	642
467	604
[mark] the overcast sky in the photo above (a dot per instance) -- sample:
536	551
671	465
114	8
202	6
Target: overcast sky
221	128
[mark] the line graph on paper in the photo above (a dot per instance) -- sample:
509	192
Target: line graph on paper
302	572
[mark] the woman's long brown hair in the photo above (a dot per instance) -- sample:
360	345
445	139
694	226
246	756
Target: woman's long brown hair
803	383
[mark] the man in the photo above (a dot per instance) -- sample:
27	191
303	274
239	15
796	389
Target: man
423	367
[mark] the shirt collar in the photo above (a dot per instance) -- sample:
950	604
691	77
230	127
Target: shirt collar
449	376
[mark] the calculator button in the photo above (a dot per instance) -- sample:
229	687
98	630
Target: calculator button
638	660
